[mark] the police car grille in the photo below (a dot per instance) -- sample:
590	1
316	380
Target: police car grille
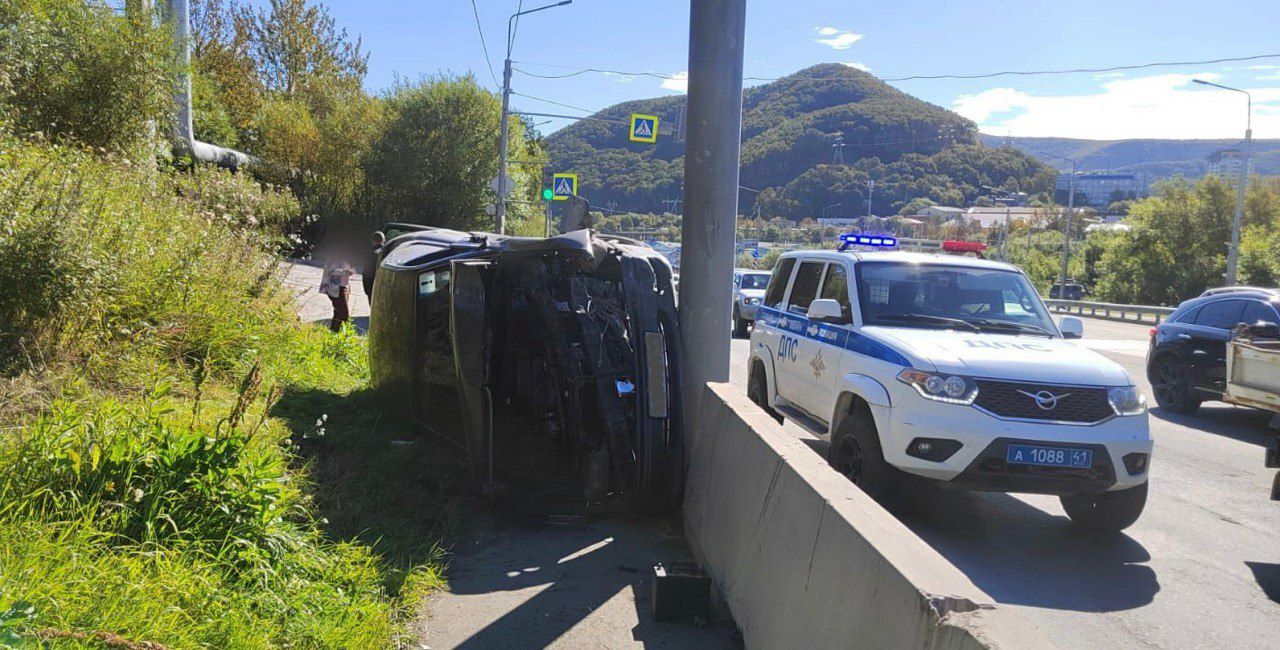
1081	404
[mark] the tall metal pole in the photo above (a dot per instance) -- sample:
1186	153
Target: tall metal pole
181	131
1066	232
500	207
1233	253
716	34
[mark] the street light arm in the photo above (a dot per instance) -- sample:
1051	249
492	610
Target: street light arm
529	11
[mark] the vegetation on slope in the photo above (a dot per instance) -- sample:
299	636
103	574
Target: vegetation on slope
912	149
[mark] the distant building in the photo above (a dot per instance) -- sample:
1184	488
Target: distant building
1102	188
838	222
1225	162
941	212
986	217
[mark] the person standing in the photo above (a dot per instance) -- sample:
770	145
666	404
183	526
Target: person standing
336	283
371	264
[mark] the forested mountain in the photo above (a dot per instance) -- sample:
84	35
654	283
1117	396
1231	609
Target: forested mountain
1156	158
790	129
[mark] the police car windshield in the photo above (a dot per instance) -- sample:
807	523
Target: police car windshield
755	280
936	296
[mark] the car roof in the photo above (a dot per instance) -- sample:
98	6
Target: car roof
904	257
1192	303
750	271
1222	291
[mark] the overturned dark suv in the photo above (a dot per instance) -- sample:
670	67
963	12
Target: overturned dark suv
552	362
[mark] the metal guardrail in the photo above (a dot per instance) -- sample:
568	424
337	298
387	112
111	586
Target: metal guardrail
1111	311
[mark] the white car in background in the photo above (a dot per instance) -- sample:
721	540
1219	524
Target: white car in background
948	368
748	291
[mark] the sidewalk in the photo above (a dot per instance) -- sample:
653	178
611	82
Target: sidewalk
531	584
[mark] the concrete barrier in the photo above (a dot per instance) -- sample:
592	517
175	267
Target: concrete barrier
805	560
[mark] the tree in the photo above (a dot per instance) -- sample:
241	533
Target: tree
433	162
76	71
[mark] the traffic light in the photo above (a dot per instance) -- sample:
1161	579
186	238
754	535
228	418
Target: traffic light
547	194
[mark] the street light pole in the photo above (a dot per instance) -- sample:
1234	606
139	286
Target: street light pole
500	207
1066	232
1233	253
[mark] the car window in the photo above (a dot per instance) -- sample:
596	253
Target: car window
778	282
836	287
805	287
754	280
1256	311
1222	314
914	295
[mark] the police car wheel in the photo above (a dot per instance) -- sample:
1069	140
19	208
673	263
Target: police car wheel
757	391
1107	511
855	453
1172	387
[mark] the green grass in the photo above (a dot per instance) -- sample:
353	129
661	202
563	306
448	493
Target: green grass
181	461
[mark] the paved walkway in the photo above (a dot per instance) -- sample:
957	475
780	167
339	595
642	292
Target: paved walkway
303	279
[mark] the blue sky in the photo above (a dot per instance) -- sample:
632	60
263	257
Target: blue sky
891	39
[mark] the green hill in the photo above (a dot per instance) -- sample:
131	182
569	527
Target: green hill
910	148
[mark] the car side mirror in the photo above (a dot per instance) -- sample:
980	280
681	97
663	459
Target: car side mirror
826	310
1260	330
1071	327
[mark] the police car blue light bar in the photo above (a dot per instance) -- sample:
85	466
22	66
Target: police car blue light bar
855	239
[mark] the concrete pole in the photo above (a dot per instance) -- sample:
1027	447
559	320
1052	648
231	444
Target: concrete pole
500	207
179	16
1066	232
1233	253
716	33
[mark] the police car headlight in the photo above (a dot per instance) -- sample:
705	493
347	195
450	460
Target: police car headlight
1127	400
952	389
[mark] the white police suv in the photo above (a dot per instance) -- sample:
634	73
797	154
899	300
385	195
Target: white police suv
948	368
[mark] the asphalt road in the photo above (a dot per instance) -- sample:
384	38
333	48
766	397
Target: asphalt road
1201	568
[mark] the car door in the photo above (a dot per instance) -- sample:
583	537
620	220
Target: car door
796	349
767	334
827	340
1207	346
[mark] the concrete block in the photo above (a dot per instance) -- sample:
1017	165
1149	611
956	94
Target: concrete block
804	559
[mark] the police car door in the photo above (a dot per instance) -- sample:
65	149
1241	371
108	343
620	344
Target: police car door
798	352
828	343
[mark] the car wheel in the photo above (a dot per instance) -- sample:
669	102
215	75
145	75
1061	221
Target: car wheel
1172	386
758	392
739	325
855	452
1106	511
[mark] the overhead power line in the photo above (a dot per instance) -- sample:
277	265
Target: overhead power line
983	75
484	46
552	101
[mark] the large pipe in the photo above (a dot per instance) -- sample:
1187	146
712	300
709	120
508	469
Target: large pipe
716	33
182	132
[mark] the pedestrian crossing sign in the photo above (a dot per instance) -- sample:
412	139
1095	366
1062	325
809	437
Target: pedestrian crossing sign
644	128
564	186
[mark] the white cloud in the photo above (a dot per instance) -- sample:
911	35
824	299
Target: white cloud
678	82
1158	106
858	66
835	38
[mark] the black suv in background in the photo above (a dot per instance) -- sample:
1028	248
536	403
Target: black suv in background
1186	361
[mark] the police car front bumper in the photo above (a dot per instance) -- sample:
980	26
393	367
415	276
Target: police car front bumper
979	463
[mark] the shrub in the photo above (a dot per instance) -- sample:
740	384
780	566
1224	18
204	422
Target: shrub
76	70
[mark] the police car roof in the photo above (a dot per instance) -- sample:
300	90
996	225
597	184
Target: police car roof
905	258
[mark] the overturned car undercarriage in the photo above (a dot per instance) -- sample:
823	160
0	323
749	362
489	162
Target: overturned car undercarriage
553	363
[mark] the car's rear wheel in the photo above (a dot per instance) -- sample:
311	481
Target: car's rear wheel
739	325
1106	511
1172	386
855	452
758	392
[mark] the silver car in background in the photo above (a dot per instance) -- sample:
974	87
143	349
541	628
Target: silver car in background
748	291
